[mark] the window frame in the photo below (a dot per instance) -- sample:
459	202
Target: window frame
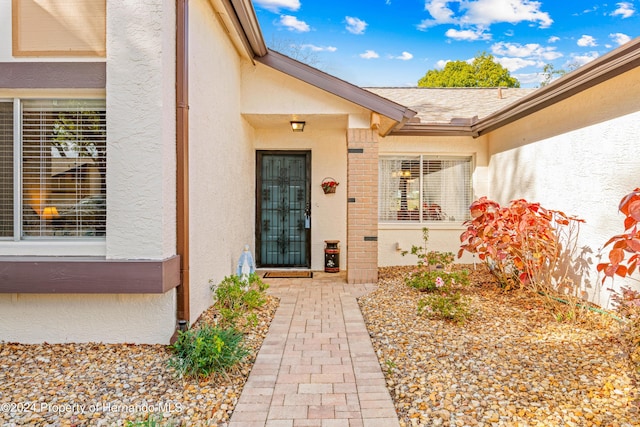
33	245
96	50
420	220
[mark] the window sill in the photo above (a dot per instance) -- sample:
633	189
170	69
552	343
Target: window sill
94	248
410	225
87	275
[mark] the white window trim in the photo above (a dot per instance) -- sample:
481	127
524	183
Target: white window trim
22	247
412	225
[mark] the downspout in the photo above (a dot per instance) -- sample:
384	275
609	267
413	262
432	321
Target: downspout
182	161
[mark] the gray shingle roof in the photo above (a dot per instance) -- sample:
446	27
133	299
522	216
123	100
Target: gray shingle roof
441	105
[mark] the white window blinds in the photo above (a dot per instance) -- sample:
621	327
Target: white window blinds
6	169
425	188
63	168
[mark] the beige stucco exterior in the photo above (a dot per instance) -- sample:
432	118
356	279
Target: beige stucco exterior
579	156
140	93
221	158
270	99
394	238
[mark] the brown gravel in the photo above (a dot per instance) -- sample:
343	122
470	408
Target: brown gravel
512	364
105	385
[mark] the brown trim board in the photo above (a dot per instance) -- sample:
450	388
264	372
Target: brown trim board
87	275
183	310
53	75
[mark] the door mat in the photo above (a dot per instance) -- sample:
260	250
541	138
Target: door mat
288	274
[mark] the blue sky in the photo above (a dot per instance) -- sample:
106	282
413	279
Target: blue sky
395	42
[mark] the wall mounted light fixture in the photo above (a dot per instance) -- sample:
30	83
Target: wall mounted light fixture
297	126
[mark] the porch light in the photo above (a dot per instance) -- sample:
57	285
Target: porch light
297	126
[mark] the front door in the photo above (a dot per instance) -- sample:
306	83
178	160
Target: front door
283	209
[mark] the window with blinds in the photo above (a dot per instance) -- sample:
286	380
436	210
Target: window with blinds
63	168
6	169
425	189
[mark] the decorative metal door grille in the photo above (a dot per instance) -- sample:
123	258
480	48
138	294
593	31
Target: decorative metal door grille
283	227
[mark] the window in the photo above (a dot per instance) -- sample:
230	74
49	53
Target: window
61	172
59	27
424	189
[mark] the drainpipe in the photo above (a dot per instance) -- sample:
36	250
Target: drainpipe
182	162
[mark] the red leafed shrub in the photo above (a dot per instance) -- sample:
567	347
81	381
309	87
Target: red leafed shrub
625	244
521	243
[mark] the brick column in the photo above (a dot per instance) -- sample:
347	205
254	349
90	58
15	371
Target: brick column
362	206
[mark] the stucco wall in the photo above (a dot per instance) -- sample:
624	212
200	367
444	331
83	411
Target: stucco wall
140	190
6	54
393	238
141	129
328	158
222	159
269	100
580	156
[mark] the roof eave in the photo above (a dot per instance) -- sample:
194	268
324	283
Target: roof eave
434	130
616	62
245	22
338	87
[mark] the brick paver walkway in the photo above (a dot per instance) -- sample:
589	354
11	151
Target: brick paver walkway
317	366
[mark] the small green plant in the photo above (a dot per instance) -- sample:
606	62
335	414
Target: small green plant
430	259
235	298
434	275
391	365
451	306
429	281
154	420
207	350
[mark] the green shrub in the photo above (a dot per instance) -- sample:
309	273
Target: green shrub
429	280
447	305
235	298
207	350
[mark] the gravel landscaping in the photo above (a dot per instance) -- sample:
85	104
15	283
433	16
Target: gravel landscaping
106	385
511	364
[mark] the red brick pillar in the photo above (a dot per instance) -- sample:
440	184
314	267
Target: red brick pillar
362	206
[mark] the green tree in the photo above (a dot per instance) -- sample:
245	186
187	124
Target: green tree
549	73
483	71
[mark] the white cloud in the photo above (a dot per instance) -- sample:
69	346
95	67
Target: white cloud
440	13
620	38
355	25
441	63
580	60
293	24
625	10
553	39
275	5
469	35
370	54
531	51
514	64
529	78
315	48
484	13
406	56
587	41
